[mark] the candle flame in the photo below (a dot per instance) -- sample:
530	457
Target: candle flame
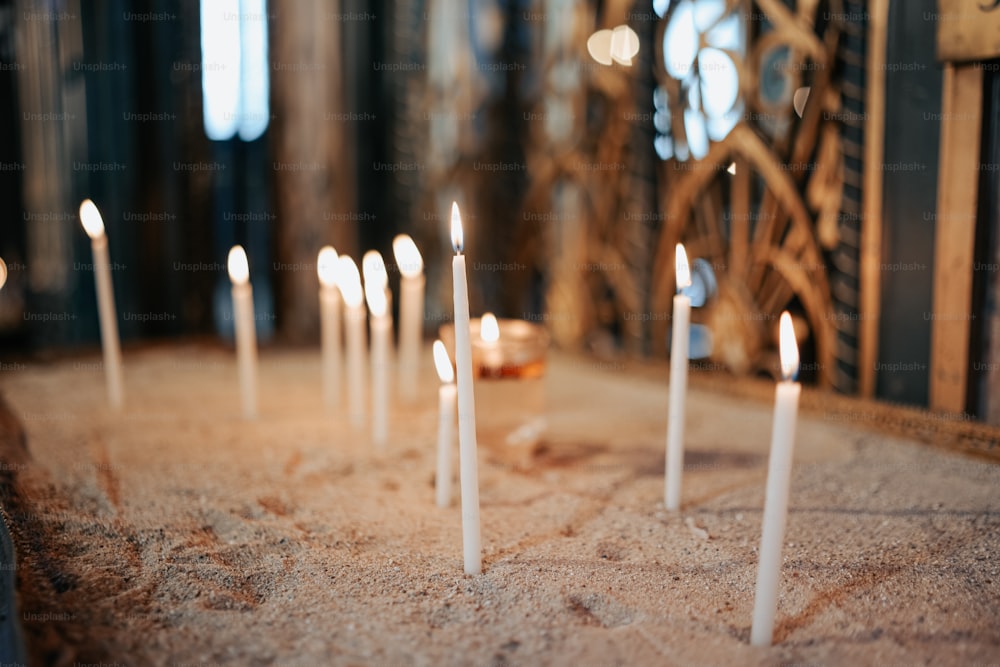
624	45
239	268
408	258
375	296
349	281
326	266
93	224
373	269
457	235
3	273
443	363
682	267
489	328
789	348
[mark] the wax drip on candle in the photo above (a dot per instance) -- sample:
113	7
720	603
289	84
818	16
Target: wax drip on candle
789	349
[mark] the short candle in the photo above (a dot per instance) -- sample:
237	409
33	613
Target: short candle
329	320
678	382
245	328
93	224
381	331
411	312
349	282
779	473
446	424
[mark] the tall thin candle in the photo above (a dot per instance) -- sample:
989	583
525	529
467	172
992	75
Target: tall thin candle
329	313
446	424
411	312
246	331
92	222
678	382
467	454
349	282
381	331
779	472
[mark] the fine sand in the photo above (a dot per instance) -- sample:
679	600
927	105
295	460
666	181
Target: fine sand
178	533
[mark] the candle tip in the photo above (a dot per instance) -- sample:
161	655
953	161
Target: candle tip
349	281
442	362
326	266
239	268
408	258
789	348
91	219
457	234
373	269
682	267
489	328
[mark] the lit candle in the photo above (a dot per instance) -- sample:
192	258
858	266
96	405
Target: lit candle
678	382
349	282
3	273
467	456
411	312
329	321
489	334
94	226
446	424
381	331
246	330
779	472
373	271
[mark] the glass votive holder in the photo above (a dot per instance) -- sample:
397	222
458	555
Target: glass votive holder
509	385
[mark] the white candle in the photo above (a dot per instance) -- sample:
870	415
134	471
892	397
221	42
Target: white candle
446	424
779	474
411	312
467	456
94	226
246	330
489	334
349	282
678	382
329	320
381	331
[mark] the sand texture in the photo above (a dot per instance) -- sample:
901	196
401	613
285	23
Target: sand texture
178	533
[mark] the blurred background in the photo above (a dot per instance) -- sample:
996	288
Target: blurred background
833	157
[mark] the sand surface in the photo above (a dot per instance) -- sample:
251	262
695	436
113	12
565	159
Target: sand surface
177	533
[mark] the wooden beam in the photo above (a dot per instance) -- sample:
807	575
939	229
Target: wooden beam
870	300
958	186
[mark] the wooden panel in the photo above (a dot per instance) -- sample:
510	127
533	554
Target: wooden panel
968	29
871	224
958	183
